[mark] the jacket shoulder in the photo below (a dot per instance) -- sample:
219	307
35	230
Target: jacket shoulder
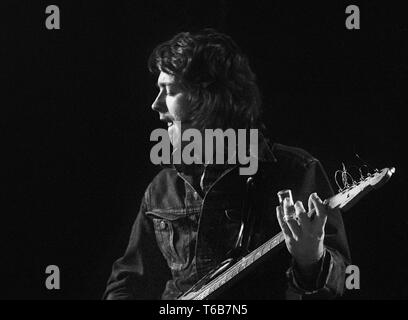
163	184
162	179
164	175
298	155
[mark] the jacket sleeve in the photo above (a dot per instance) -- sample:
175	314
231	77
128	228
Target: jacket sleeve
141	272
329	277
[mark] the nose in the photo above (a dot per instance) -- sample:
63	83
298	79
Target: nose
159	104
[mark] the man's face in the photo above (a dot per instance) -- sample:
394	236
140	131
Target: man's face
172	105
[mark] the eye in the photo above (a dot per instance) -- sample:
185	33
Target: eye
172	89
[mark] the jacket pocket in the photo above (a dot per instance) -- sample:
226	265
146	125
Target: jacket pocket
173	234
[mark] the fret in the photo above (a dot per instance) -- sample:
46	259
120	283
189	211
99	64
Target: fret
240	266
265	249
244	263
258	254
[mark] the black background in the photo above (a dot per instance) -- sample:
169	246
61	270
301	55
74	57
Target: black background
76	121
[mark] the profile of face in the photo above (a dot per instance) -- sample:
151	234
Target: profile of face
172	106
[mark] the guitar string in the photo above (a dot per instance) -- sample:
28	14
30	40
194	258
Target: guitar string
250	257
367	165
346	176
210	286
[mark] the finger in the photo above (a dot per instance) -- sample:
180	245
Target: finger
301	213
311	207
294	227
321	210
288	208
285	229
317	203
290	218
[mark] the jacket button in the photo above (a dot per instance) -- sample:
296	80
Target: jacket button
162	225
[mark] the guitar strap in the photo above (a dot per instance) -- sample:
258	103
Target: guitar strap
247	221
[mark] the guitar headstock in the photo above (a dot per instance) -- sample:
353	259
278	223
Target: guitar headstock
349	196
377	179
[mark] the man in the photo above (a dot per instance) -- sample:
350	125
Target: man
191	215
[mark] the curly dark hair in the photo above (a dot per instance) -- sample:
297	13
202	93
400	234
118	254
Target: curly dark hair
221	87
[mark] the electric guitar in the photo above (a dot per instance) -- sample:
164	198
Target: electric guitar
231	269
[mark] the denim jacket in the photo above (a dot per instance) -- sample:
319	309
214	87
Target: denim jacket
183	230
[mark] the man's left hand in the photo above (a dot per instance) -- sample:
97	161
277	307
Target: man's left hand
304	234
